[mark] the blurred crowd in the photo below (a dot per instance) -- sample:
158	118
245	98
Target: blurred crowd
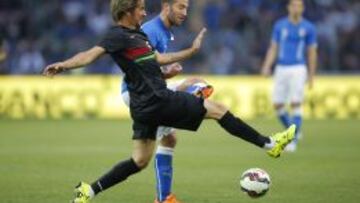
34	33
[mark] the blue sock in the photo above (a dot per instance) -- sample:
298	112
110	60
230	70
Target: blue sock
164	172
284	117
297	120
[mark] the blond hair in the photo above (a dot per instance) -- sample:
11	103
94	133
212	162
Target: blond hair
290	1
167	1
120	7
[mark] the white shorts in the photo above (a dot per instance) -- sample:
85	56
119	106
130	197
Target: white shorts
289	84
162	131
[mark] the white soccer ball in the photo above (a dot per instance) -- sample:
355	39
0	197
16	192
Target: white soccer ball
255	182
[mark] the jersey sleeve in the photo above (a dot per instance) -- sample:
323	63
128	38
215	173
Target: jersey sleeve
113	41
311	37
276	33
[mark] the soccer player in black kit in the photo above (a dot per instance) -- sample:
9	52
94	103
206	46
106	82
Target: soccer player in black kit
151	103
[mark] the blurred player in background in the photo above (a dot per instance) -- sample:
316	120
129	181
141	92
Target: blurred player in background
2	50
3	55
294	47
152	104
158	30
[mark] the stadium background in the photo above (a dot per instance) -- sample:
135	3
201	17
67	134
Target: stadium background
35	33
48	126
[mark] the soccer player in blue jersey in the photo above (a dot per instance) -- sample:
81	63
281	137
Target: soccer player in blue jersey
294	47
158	30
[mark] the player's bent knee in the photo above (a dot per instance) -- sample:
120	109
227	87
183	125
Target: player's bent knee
295	104
278	106
142	152
142	162
169	140
214	110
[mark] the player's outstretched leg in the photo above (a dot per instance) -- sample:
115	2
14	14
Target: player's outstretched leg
235	126
142	153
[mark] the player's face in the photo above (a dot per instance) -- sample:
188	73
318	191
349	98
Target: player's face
139	13
178	12
296	8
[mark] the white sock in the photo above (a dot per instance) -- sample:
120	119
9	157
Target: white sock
91	193
164	150
281	111
269	145
297	111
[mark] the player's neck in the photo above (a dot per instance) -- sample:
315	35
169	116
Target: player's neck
126	23
165	20
295	19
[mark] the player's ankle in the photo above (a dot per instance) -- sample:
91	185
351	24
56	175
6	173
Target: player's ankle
269	145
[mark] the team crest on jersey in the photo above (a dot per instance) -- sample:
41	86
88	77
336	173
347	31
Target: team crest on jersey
302	32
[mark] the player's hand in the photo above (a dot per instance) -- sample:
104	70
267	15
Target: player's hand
198	40
2	55
310	83
172	70
54	69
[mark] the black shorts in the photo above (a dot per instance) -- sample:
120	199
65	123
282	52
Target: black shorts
179	110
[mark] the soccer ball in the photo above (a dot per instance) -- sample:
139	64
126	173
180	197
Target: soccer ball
255	182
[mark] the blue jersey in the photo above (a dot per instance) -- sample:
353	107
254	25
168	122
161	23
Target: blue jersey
293	40
159	36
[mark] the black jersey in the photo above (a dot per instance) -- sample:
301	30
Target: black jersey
131	50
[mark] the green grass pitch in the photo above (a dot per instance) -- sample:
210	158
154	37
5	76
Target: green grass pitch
41	161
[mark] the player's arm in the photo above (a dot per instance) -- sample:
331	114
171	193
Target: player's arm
168	71
79	60
311	42
312	63
270	58
168	58
2	51
2	55
171	70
